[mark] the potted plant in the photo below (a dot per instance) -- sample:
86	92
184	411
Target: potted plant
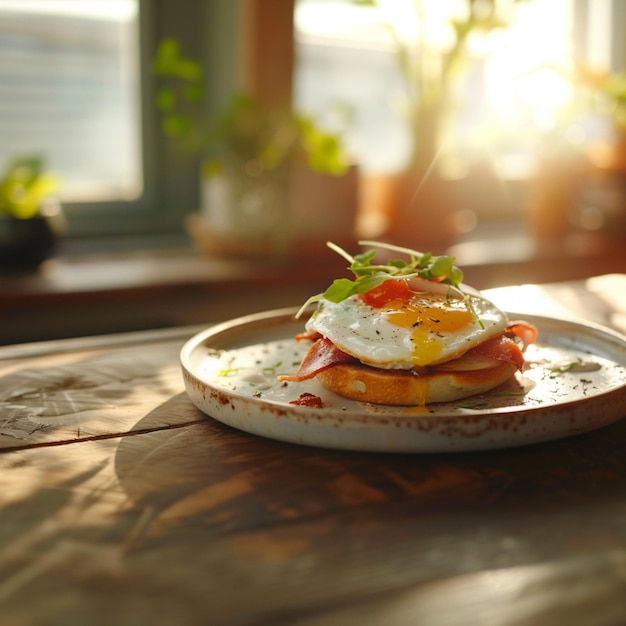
602	94
568	170
30	217
250	155
421	204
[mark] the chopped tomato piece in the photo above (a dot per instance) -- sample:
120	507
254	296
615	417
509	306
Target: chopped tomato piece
392	289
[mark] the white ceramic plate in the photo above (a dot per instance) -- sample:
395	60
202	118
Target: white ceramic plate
575	382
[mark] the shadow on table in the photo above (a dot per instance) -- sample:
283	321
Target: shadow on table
245	514
224	480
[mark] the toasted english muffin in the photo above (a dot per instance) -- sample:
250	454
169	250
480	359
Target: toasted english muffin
408	388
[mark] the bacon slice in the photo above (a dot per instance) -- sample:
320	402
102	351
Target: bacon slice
312	335
501	348
524	331
320	356
324	354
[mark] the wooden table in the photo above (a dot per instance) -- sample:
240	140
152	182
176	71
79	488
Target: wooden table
120	503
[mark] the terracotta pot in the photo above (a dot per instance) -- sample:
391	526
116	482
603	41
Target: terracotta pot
291	217
553	193
417	215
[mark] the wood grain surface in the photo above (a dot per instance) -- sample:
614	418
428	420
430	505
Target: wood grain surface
121	503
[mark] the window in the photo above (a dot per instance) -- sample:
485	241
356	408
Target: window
513	107
68	82
76	86
345	54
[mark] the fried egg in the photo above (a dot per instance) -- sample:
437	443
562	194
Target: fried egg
427	330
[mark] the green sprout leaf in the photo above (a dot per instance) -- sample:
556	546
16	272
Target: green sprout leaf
369	275
340	289
442	266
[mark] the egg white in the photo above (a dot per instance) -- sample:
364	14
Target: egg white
432	329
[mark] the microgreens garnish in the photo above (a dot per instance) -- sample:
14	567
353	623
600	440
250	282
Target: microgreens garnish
368	275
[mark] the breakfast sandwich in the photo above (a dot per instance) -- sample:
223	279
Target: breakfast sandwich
408	332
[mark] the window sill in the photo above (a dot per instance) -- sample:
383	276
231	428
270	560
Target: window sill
115	291
497	259
80	294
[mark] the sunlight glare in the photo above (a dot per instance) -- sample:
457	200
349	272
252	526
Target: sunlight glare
522	75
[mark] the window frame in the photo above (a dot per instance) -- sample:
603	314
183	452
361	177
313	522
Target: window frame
208	31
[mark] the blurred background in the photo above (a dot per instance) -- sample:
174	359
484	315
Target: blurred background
169	163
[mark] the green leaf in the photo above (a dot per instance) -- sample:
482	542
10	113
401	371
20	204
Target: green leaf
176	125
364	258
398	263
442	266
456	276
25	186
370	282
166	99
167	56
340	289
189	70
425	259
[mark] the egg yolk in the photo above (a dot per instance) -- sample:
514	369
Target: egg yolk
428	319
